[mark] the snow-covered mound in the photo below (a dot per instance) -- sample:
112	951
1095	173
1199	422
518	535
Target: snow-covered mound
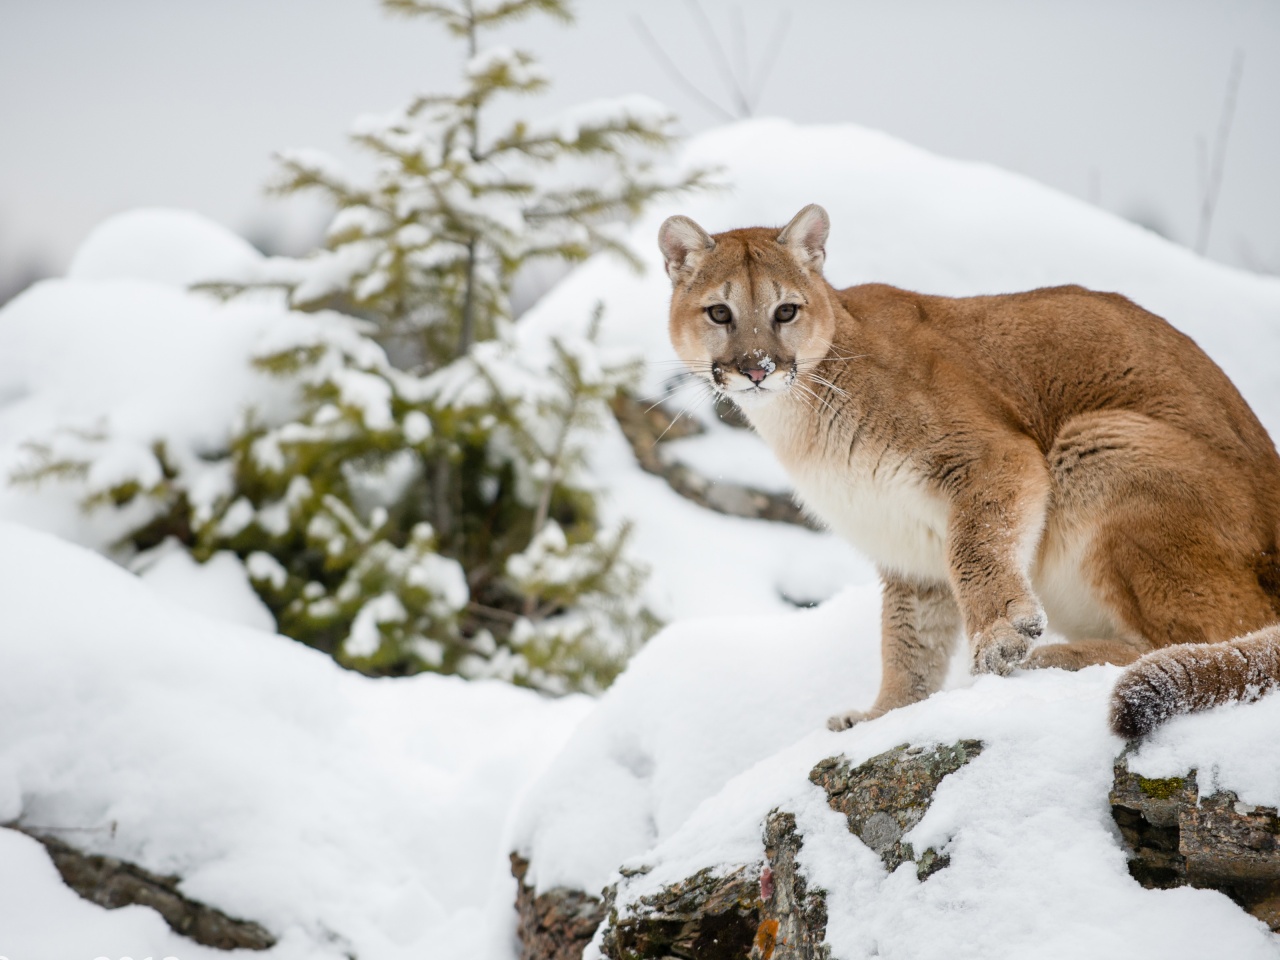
175	247
349	816
717	723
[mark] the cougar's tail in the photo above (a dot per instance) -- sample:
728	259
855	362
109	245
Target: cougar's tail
1194	676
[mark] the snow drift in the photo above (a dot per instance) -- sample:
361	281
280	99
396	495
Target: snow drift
344	814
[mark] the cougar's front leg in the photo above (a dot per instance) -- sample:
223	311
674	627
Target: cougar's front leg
919	625
998	507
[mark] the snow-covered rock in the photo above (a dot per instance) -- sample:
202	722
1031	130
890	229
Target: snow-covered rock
717	723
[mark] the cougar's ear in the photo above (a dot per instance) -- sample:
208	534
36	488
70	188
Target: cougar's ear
683	245
806	236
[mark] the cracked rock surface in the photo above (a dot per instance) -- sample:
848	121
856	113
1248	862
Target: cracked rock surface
1179	838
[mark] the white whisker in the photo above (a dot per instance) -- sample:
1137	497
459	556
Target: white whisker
821	400
828	384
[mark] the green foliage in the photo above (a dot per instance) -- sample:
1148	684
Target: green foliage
433	513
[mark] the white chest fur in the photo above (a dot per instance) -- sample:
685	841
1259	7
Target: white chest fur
891	518
877	503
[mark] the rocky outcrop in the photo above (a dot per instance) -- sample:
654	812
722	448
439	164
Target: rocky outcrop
557	924
771	911
1179	838
648	427
768	911
114	883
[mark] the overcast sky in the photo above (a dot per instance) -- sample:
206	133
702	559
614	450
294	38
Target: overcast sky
111	104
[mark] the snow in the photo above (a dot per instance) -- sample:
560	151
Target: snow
373	817
643	112
177	372
732	455
218	588
174	247
366	636
346	814
1196	743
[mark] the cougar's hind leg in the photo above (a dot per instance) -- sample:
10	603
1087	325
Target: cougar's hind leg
919	629
1157	537
1077	654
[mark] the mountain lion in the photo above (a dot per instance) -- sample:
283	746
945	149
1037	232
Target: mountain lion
1056	457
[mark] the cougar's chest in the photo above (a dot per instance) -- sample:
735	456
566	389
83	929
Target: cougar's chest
874	498
886	514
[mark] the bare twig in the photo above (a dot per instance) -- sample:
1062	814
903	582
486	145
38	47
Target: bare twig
744	84
727	72
778	37
1211	174
674	71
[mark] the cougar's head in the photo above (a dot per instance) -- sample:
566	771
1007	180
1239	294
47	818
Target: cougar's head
749	308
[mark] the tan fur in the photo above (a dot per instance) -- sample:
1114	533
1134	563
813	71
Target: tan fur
1000	457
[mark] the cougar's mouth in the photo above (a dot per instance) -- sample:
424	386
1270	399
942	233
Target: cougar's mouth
753	376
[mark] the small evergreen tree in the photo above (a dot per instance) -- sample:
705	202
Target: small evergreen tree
434	513
427	247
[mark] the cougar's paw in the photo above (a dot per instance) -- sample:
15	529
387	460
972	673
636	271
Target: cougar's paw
1004	645
1027	618
843	721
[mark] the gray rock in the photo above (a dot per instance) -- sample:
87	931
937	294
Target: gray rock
793	918
885	797
705	917
1179	838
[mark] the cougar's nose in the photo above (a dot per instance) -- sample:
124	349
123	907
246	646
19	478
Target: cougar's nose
756	374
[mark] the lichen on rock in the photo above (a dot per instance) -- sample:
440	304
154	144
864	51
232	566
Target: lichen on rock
1179	838
793	922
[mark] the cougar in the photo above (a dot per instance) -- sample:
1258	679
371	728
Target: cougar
1059	457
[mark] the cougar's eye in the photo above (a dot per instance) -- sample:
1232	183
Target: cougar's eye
785	313
719	313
